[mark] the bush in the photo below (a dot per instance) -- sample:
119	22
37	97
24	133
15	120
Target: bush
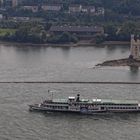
100	39
65	37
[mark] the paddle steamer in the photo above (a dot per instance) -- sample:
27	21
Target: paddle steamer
86	106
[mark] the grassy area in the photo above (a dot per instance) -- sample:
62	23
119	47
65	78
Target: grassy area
6	31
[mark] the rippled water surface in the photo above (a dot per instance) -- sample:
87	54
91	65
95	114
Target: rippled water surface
38	63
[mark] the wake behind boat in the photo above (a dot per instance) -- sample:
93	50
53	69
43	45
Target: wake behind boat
86	106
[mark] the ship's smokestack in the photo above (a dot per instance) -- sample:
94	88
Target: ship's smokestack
78	98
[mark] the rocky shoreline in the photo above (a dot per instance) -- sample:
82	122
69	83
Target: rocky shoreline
121	62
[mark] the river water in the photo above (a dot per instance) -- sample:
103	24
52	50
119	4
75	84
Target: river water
40	63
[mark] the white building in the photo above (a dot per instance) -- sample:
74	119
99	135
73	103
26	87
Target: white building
75	8
32	8
54	7
135	47
100	11
88	9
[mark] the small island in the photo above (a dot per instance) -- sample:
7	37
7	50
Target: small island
134	58
121	62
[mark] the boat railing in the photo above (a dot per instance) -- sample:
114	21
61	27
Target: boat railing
47	101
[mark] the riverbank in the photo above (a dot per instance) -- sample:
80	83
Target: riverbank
106	43
80	43
121	62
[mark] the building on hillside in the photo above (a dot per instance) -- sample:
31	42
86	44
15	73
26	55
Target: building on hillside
88	9
82	32
100	11
91	9
32	8
51	7
14	3
20	18
75	8
135	47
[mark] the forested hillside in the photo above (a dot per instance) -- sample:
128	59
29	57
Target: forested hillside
131	7
120	19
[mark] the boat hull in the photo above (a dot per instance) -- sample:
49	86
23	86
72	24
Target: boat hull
43	109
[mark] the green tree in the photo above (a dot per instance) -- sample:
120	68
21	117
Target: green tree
31	34
110	29
65	37
22	33
100	39
126	30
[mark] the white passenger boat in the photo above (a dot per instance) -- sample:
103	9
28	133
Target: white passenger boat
86	106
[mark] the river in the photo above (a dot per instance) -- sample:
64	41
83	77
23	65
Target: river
40	63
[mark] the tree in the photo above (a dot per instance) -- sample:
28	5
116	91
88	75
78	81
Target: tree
100	39
110	29
22	33
65	37
126	30
31	34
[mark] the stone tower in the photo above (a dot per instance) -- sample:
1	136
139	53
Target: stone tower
135	47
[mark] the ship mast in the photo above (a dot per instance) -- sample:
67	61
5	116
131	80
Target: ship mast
51	94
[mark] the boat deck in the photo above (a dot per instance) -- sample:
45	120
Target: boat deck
99	101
